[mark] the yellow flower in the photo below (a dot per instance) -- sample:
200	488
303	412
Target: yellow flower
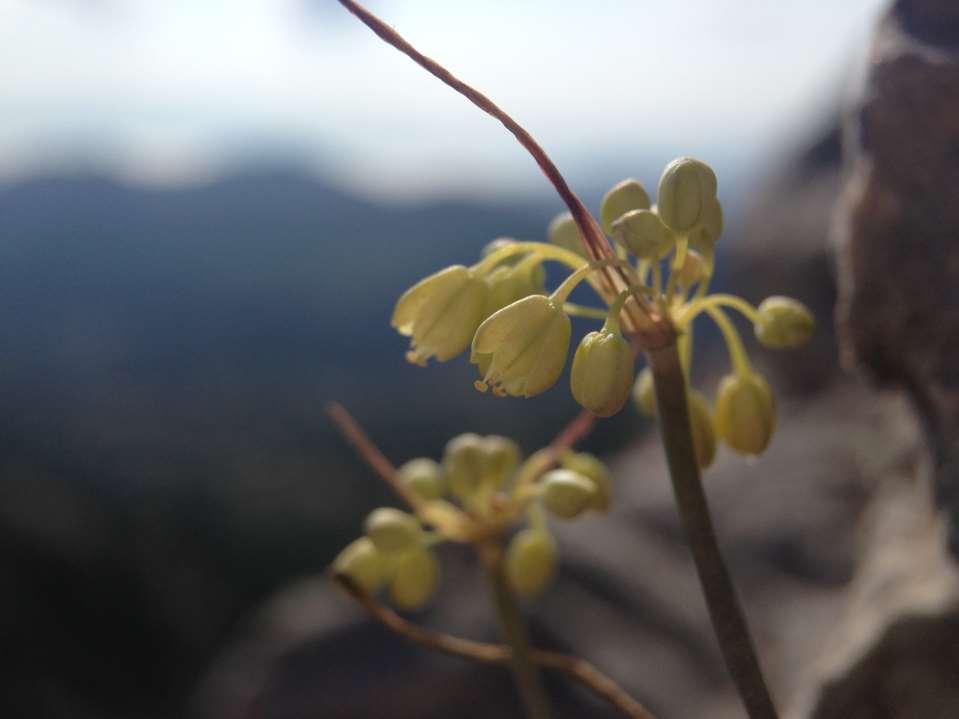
441	313
603	372
745	413
521	349
783	323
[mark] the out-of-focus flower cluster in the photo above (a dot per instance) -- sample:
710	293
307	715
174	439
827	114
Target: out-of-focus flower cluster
481	490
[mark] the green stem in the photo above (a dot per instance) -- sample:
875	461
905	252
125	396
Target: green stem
513	627
729	622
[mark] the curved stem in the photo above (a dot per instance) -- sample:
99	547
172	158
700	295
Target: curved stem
728	620
700	304
575	668
593	313
513	626
542	249
737	353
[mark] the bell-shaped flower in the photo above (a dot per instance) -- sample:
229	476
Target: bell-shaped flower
624	197
440	313
704	432
364	564
745	413
530	561
686	191
783	323
564	232
603	372
522	348
566	493
643	233
415	577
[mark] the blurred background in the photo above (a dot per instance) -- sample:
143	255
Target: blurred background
207	211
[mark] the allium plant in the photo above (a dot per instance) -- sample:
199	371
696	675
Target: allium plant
650	266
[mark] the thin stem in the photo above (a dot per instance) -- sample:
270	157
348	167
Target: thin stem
371	453
543	250
729	622
700	304
593	313
514	630
737	353
575	668
614	279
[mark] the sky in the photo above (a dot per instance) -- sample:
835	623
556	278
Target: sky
174	92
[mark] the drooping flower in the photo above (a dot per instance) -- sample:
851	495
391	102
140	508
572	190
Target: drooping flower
522	348
440	313
745	413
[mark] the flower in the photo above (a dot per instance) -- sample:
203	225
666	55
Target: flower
745	413
624	197
566	493
521	349
686	192
603	372
441	313
530	561
783	323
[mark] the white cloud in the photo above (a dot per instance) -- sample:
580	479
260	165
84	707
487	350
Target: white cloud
586	78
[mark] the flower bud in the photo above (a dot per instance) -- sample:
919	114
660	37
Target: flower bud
701	423
783	323
626	196
414	578
595	471
745	413
643	233
686	190
603	372
564	232
464	462
501	457
440	313
530	561
391	530
566	493
424	476
644	393
704	237
523	347
362	563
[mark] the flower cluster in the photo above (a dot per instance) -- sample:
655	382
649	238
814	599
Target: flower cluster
481	490
519	334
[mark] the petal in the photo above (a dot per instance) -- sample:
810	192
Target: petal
528	314
411	303
553	348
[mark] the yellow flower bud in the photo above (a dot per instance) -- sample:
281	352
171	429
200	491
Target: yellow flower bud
424	476
391	530
625	196
703	238
464	461
783	323
362	563
415	577
566	493
595	471
644	393
603	372
643	233
524	347
501	457
440	313
564	232
530	561
686	189
701	423
745	413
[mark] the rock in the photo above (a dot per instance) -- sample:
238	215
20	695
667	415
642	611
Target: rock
896	228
